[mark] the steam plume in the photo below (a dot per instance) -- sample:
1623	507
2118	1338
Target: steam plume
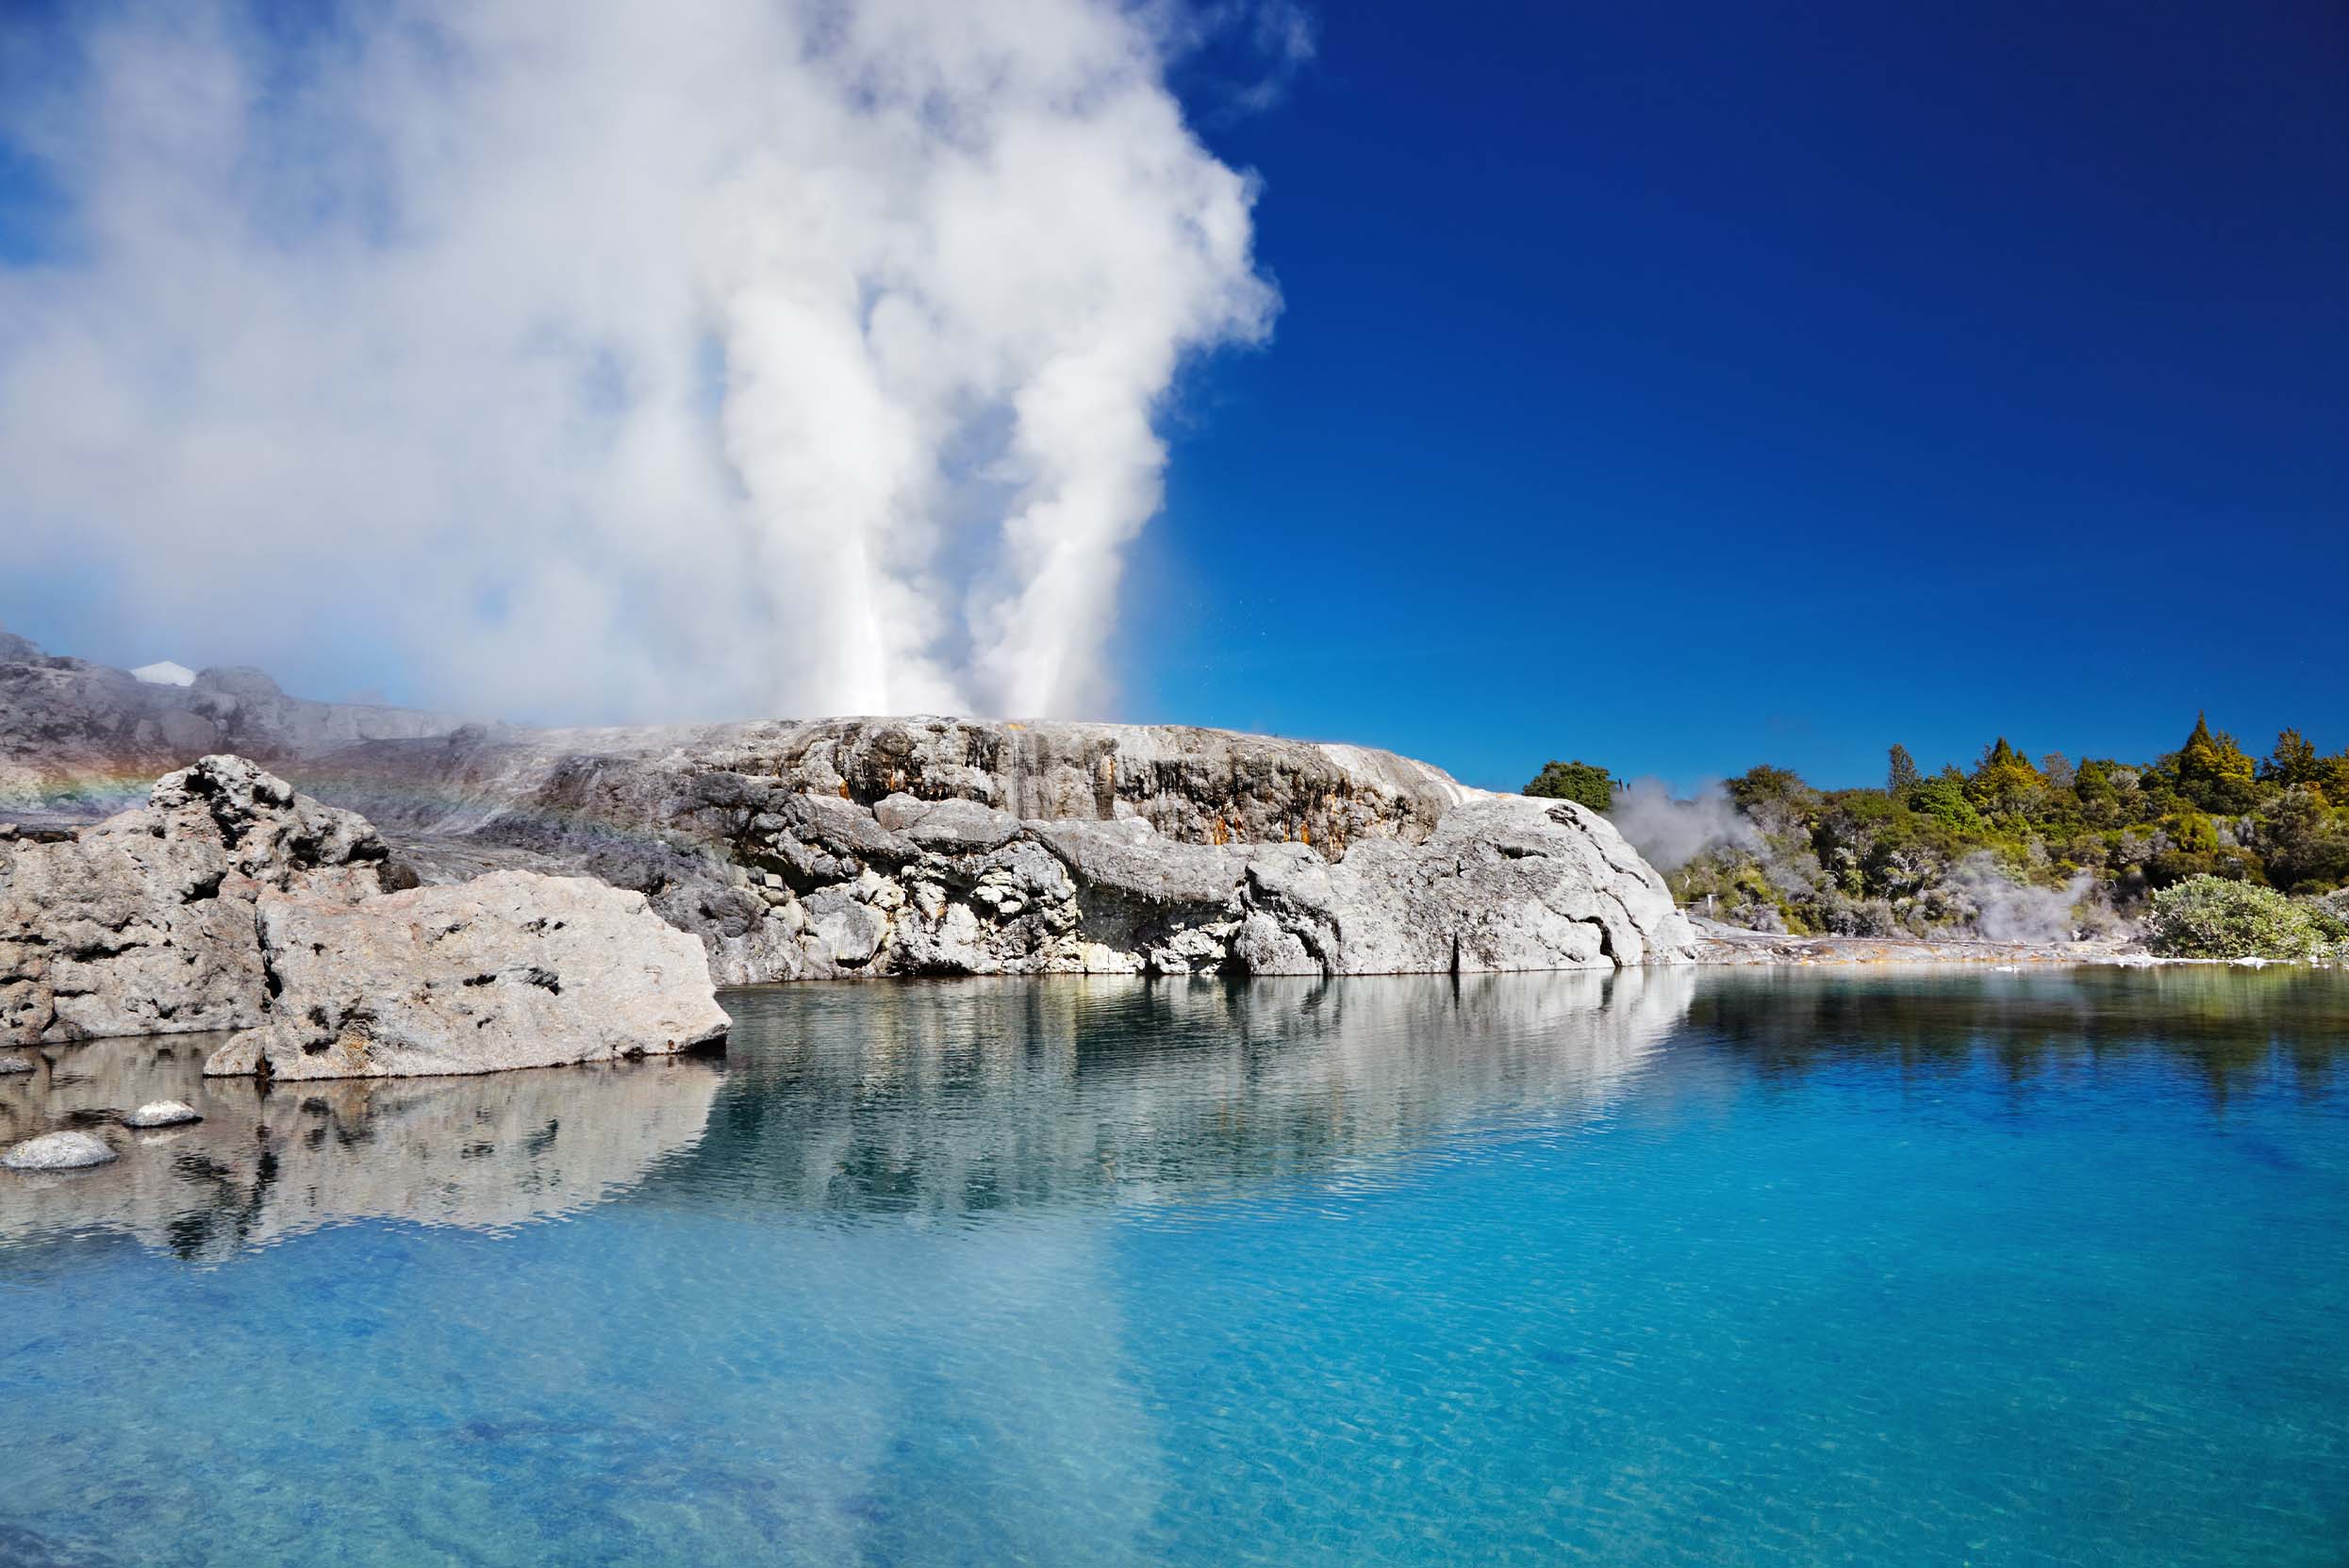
1670	831
607	359
2008	911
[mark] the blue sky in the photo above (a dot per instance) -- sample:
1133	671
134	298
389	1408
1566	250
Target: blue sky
1683	387
1688	386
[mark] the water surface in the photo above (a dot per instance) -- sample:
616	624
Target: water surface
1660	1268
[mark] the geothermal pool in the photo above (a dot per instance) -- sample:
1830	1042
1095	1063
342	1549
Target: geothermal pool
1672	1267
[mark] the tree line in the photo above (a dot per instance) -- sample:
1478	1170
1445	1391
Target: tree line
1910	856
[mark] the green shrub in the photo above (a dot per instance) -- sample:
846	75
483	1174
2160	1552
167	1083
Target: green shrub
1583	782
2213	917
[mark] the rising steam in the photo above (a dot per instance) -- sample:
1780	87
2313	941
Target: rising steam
609	359
1670	831
2008	911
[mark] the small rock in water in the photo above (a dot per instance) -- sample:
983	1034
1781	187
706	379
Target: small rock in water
15	1062
57	1151
163	1113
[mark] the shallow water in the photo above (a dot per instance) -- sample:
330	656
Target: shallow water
1662	1268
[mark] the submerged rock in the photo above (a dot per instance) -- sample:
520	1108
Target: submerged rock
57	1151
512	969
14	1062
163	1113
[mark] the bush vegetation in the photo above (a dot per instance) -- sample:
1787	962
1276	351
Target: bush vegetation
1583	782
2100	835
2213	918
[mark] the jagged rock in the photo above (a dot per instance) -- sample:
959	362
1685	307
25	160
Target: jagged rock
57	1151
943	846
142	924
162	1112
948	827
878	847
512	969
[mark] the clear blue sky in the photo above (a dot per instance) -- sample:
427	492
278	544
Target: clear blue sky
1687	386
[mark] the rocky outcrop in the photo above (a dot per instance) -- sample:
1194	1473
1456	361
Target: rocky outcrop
948	846
513	969
939	845
231	902
144	923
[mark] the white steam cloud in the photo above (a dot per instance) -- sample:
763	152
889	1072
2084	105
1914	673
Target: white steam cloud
2008	911
1670	831
617	360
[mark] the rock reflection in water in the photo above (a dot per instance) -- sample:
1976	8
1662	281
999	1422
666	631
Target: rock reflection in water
486	1152
981	1095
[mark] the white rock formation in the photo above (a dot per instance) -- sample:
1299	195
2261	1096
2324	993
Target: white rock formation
143	923
513	969
936	845
163	672
162	1112
942	846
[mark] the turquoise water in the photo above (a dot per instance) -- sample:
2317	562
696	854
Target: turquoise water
1673	1268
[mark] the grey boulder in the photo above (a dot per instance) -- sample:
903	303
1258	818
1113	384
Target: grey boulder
513	969
162	1112
57	1151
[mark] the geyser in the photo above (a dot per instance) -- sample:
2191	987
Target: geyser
607	360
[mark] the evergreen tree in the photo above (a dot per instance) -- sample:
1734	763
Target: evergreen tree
2214	773
2293	761
2005	782
1902	776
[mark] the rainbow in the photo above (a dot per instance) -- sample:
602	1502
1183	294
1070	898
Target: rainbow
395	807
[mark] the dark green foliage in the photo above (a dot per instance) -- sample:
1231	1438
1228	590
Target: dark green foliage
2293	761
1583	782
1903	857
2213	773
1944	800
1767	785
1901	775
2305	842
2004	783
